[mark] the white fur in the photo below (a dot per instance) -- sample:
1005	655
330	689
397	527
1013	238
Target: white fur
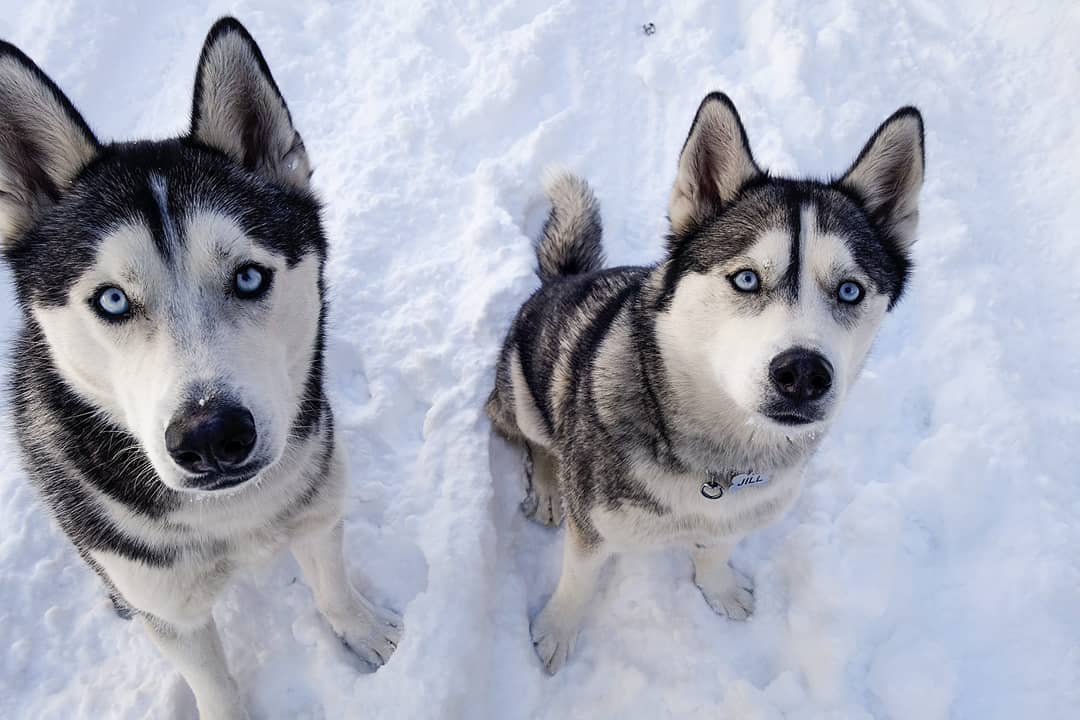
191	333
726	593
190	338
232	531
236	93
889	172
720	356
714	164
717	360
693	519
554	631
32	111
526	413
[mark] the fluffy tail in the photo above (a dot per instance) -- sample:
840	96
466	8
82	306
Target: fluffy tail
570	241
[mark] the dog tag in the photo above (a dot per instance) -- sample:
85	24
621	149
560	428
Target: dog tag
745	480
713	490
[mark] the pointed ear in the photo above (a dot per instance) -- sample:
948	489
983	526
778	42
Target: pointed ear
888	174
714	165
239	110
44	143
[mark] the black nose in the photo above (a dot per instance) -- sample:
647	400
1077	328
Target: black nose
801	375
211	438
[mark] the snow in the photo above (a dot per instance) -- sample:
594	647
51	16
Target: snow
930	569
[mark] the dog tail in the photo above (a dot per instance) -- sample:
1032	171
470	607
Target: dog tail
570	241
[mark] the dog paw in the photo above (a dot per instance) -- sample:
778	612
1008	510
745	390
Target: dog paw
734	599
553	642
542	507
542	503
373	638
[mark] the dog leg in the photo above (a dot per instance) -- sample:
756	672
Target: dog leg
726	592
198	655
175	605
543	501
555	628
369	631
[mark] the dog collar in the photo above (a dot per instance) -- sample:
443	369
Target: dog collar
716	484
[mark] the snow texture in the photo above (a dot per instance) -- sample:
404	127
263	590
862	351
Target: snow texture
931	568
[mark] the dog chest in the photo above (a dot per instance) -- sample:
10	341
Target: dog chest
691	517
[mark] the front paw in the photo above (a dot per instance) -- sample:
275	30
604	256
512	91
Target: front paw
733	596
553	639
373	634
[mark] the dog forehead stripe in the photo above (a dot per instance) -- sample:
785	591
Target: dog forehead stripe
169	242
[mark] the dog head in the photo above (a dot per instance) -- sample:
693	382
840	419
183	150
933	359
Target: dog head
775	288
177	284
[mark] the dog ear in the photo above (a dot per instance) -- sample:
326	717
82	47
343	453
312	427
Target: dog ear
239	110
44	143
888	173
714	165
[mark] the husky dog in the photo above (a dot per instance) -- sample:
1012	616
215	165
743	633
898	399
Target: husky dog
677	404
168	378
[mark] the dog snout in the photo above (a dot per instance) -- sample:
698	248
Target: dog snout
801	375
211	438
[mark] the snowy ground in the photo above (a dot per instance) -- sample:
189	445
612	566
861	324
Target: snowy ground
932	567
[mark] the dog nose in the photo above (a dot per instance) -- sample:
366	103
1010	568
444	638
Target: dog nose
801	375
211	438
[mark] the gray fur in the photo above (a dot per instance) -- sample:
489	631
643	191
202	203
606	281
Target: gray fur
239	110
43	143
888	174
570	241
609	377
714	165
172	225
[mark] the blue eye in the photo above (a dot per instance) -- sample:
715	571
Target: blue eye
112	303
251	281
849	292
746	281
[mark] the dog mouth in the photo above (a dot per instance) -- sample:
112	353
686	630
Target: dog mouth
216	482
793	415
790	418
226	482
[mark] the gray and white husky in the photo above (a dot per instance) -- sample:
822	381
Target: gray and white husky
168	378
678	404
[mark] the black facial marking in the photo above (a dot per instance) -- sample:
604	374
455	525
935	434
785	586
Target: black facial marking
759	207
775	204
107	459
164	230
886	265
788	287
115	189
84	457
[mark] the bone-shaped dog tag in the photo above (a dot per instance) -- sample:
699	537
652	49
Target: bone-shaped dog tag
745	480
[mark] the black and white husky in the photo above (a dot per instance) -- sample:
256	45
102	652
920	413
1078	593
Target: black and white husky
168	384
679	403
